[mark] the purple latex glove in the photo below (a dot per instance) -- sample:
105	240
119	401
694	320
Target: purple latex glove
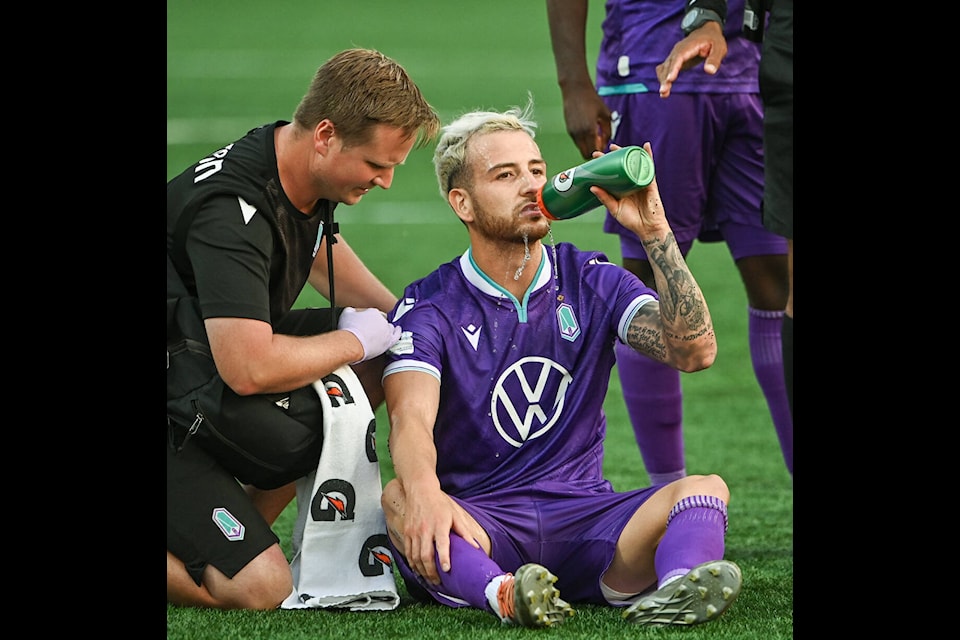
375	334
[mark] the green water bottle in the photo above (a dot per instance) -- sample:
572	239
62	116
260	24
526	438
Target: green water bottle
567	194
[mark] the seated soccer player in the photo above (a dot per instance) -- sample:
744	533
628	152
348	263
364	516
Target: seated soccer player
495	398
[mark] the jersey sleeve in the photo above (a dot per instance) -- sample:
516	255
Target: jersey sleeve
230	251
626	291
420	347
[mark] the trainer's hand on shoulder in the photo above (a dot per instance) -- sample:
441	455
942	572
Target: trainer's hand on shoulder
371	328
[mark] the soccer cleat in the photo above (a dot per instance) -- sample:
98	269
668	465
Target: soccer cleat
701	595
529	598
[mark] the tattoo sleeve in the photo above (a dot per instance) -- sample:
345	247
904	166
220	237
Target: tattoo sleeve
681	319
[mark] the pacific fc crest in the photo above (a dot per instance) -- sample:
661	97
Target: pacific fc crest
567	321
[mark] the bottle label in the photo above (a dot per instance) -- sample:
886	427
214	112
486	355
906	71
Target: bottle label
564	180
567	194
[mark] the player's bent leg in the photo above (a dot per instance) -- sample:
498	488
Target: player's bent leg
634	568
528	598
694	583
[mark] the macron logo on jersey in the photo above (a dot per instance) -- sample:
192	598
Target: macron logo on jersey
472	333
247	210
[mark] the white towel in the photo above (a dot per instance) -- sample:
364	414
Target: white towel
341	556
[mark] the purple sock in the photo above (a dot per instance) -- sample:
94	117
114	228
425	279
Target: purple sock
787	337
654	400
766	351
695	529
470	571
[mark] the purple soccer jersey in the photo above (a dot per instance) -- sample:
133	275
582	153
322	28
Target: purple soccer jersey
523	381
707	137
639	34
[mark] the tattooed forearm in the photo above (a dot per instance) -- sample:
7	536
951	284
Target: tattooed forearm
681	301
645	334
677	330
693	351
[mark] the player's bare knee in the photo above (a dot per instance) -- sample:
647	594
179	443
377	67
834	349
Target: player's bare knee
262	585
392	500
706	485
267	596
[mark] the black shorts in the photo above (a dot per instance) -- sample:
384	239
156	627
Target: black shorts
776	89
210	518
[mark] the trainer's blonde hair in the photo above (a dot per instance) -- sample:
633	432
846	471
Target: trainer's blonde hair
359	88
449	158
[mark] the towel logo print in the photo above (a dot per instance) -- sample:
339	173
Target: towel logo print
334	498
372	440
375	556
337	391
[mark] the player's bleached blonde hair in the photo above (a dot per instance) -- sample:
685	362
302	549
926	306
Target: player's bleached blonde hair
449	158
357	89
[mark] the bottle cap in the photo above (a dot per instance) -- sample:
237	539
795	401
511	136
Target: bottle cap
639	166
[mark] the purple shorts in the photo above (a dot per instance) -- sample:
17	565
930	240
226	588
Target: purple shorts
572	532
708	152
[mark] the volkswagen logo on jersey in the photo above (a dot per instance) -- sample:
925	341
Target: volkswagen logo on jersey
528	399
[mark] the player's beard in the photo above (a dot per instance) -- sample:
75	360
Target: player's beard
514	229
